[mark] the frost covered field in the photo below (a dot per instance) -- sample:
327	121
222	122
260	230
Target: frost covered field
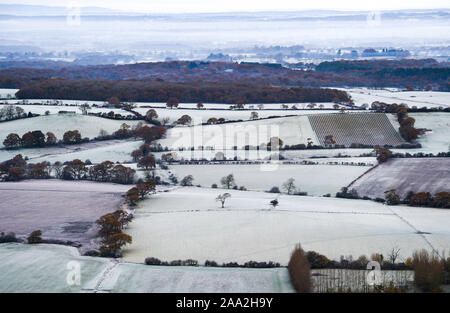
320	156
430	99
417	175
44	268
89	126
64	210
292	130
96	152
4	93
54	109
188	223
317	180
201	116
438	140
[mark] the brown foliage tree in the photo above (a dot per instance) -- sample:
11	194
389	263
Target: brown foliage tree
300	271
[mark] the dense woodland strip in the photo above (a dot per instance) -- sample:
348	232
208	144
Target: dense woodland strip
417	74
133	90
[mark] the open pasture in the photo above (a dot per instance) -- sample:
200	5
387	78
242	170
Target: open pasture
188	223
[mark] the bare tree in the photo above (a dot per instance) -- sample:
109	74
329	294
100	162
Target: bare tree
289	186
394	254
222	198
228	181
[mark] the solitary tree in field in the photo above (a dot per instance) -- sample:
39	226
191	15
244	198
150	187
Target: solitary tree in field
84	108
289	186
200	105
228	181
222	198
254	115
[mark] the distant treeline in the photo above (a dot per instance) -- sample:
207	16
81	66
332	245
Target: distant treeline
421	74
156	91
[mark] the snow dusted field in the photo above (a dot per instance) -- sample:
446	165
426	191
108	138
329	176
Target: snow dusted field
5	92
201	116
188	223
321	155
417	175
89	126
292	130
44	268
430	99
54	109
63	210
317	180
438	140
226	106
96	152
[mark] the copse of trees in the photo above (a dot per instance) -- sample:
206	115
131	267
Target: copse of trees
37	139
419	199
11	112
17	169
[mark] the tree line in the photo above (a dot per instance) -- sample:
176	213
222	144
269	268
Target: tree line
156	91
372	73
17	169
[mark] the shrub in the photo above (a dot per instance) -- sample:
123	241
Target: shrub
300	270
274	189
214	186
9	237
392	198
428	271
211	263
152	261
420	199
442	200
35	237
187	180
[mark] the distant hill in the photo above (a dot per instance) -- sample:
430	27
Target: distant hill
41	10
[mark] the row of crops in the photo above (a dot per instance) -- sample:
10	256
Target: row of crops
360	128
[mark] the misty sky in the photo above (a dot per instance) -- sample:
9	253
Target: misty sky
180	6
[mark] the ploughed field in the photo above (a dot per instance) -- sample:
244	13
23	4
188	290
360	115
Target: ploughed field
63	210
417	175
361	128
